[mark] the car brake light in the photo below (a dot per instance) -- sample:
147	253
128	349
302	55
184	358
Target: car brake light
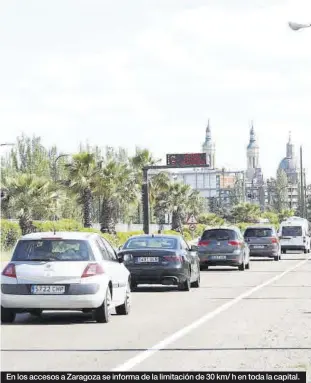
92	269
234	243
172	258
9	271
203	243
274	240
304	239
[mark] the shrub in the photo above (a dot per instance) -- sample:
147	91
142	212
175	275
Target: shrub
187	235
61	225
10	232
242	226
210	219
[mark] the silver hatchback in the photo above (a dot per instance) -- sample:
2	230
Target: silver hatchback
263	242
224	246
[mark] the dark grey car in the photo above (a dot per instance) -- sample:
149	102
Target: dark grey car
223	246
161	259
263	242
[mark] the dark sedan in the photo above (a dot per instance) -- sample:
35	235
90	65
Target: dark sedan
161	259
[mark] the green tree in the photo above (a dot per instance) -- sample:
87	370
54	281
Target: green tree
83	175
142	158
118	190
180	200
245	212
284	214
237	192
210	219
159	185
281	191
29	156
31	198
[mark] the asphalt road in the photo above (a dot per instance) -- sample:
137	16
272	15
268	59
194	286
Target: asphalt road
259	319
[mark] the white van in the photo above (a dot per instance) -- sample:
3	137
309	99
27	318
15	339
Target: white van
294	234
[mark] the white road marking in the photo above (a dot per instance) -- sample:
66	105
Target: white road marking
131	363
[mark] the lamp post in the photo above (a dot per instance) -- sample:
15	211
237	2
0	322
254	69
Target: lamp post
55	181
7	144
297	26
55	165
302	191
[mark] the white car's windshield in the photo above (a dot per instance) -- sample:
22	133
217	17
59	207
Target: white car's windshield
52	250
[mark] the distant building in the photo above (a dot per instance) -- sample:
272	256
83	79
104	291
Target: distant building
208	147
289	163
254	183
213	184
289	166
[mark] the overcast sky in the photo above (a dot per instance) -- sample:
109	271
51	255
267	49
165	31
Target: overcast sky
152	72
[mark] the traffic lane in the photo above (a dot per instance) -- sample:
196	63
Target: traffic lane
277	317
156	314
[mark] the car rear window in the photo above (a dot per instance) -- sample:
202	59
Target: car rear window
219	235
52	250
258	232
151	243
292	231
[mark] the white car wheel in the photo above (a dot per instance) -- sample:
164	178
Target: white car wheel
102	313
124	309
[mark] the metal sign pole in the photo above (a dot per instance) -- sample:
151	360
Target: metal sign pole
188	160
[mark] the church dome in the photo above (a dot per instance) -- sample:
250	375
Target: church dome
288	164
252	145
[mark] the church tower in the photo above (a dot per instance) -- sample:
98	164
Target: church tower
209	147
252	155
290	147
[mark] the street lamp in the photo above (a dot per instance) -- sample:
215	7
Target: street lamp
7	144
298	26
55	182
55	165
295	27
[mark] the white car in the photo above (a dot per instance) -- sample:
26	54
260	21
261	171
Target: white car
64	271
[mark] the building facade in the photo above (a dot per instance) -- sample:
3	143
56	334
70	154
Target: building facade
218	185
228	187
290	167
254	186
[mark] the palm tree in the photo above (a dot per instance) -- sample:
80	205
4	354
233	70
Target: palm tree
178	203
28	195
118	190
142	158
83	174
159	186
195	203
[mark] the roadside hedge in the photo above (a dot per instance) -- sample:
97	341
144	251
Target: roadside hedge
10	231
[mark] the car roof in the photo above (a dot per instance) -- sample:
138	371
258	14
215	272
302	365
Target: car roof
235	228
79	235
260	227
168	236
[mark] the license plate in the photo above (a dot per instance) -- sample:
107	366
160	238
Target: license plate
221	257
259	247
148	259
46	290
